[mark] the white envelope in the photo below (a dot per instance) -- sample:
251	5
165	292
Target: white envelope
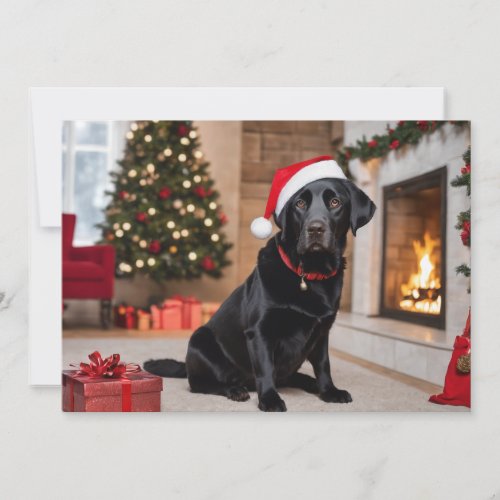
50	107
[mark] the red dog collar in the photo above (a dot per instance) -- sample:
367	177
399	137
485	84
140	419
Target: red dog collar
300	272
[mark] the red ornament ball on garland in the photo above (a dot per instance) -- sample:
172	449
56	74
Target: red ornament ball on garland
123	195
164	193
154	247
207	263
141	217
373	143
347	154
465	234
394	144
465	170
391	131
223	218
182	130
423	125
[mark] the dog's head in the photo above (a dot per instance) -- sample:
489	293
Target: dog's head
317	217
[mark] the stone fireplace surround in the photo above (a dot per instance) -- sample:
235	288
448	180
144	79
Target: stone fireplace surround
420	351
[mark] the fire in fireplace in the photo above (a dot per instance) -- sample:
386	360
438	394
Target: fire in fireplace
413	251
422	292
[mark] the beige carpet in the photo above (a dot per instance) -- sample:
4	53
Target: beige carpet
371	391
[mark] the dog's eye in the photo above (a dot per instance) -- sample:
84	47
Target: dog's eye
300	203
335	203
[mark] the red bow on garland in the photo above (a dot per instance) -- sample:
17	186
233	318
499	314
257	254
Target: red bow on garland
108	367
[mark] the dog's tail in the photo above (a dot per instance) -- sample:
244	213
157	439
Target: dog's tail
169	368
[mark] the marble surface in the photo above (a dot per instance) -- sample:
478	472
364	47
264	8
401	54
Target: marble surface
46	454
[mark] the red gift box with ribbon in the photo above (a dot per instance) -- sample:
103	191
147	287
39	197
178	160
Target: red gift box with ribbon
191	312
125	317
106	385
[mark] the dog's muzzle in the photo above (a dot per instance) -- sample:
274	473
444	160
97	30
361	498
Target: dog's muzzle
316	237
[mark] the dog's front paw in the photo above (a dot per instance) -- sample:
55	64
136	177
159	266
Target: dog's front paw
270	401
336	396
238	393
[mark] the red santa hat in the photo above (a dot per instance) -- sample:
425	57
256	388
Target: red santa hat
287	181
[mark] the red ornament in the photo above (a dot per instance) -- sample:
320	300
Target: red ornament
140	217
347	154
394	144
423	125
465	170
182	130
164	193
373	143
401	123
465	234
207	263
202	192
391	131
223	218
154	246
123	195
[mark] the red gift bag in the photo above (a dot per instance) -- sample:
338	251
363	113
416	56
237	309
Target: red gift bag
456	390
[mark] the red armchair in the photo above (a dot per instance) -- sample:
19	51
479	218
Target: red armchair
88	272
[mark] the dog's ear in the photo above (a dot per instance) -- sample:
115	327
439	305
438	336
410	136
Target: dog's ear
362	208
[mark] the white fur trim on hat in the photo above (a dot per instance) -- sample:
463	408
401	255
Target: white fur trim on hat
326	169
261	228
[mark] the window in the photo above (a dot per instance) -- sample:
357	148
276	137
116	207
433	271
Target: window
90	151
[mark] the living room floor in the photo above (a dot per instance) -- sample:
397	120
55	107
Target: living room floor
373	388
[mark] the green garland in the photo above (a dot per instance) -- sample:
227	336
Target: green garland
463	218
404	133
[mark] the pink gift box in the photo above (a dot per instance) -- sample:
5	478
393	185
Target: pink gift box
191	312
155	318
171	315
168	316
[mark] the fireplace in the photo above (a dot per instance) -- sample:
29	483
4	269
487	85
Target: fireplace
413	284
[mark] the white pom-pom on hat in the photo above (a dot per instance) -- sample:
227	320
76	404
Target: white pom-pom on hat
287	181
261	228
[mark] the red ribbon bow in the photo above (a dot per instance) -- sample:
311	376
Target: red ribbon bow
108	367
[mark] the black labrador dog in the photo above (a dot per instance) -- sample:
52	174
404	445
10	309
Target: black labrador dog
278	318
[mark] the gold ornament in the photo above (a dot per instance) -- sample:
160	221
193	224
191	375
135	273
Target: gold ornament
173	249
463	363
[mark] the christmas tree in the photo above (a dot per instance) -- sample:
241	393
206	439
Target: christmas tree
164	217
